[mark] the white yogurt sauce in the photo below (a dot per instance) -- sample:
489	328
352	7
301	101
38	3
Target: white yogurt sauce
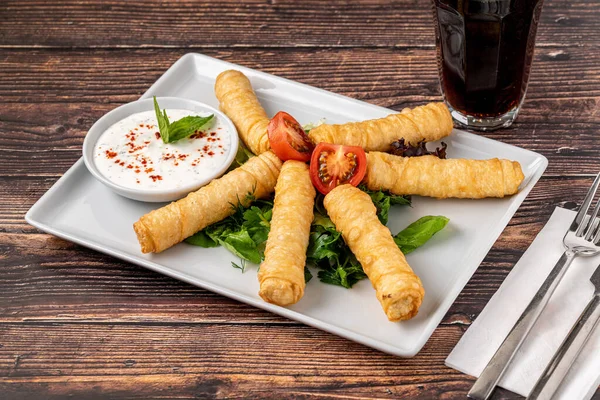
132	154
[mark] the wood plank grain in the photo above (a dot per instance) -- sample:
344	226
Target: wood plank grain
251	24
257	360
385	77
44	133
77	323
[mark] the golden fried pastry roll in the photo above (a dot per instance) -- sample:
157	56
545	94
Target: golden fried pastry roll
281	274
434	177
160	229
424	123
398	289
238	101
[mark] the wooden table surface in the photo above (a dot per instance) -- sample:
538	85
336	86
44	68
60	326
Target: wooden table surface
77	323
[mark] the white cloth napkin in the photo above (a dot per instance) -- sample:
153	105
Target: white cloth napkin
486	334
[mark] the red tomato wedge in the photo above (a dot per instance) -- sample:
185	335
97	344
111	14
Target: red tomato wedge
287	138
332	165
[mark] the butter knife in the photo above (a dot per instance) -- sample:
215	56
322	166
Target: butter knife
570	348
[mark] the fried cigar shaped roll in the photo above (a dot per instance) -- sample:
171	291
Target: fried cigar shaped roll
424	123
160	229
434	177
281	274
398	289
238	101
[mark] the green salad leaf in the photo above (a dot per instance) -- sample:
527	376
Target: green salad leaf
173	131
245	234
307	274
328	251
202	239
243	154
416	234
383	201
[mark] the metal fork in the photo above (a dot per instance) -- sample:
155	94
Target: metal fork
580	240
570	348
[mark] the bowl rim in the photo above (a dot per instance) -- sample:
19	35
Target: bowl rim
124	111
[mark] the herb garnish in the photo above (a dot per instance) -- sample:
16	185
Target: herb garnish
327	249
383	201
245	234
173	131
243	154
416	234
405	149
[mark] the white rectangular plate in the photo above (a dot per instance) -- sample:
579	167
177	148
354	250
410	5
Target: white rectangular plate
80	209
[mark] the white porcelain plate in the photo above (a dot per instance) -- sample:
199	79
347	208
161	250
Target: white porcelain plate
80	209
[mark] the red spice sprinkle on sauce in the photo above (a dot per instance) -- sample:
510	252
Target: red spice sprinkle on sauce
198	135
157	134
117	161
137	171
122	163
182	156
213	134
147	142
110	154
130	166
148	170
141	125
156	178
210	153
137	181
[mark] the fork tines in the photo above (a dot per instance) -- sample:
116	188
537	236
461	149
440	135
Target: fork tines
584	224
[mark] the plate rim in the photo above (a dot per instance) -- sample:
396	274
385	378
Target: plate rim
538	167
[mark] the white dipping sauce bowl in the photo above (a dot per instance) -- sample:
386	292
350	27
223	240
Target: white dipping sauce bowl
124	111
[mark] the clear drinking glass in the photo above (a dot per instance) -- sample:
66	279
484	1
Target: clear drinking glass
484	50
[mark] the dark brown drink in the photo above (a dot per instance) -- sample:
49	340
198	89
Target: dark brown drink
484	54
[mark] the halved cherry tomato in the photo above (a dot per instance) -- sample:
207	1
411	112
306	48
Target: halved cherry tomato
287	138
333	164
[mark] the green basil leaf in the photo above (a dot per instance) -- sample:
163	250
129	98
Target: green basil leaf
419	232
180	129
187	126
163	122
